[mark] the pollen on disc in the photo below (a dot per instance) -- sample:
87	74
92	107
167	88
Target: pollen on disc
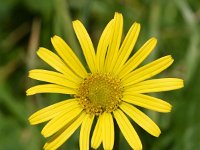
99	93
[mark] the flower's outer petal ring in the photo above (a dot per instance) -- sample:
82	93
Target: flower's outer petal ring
127	46
66	53
103	45
97	134
61	136
147	71
85	132
108	131
113	49
141	119
137	58
60	121
127	130
52	77
50	88
54	61
155	85
147	102
52	111
86	44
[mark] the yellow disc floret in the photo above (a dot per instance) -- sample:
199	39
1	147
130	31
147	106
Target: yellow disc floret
99	93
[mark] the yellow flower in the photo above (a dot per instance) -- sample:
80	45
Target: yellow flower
112	88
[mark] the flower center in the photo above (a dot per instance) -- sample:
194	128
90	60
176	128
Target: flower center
99	93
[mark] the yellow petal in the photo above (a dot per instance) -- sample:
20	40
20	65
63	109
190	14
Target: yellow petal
68	56
97	134
62	135
54	61
155	85
52	77
52	111
103	45
138	57
86	44
148	102
147	71
127	130
60	121
50	88
85	132
113	48
127	46
108	131
141	119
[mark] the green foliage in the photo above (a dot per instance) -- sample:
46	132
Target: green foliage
27	24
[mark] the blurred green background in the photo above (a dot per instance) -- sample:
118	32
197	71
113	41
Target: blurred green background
27	24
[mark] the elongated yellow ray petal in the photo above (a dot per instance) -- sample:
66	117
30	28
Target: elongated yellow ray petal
108	131
141	119
97	134
52	111
147	71
61	136
127	130
86	44
68	56
148	102
52	77
103	45
49	88
137	58
60	121
155	85
113	48
54	61
127	46
85	132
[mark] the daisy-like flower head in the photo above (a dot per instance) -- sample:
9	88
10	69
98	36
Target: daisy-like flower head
114	88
